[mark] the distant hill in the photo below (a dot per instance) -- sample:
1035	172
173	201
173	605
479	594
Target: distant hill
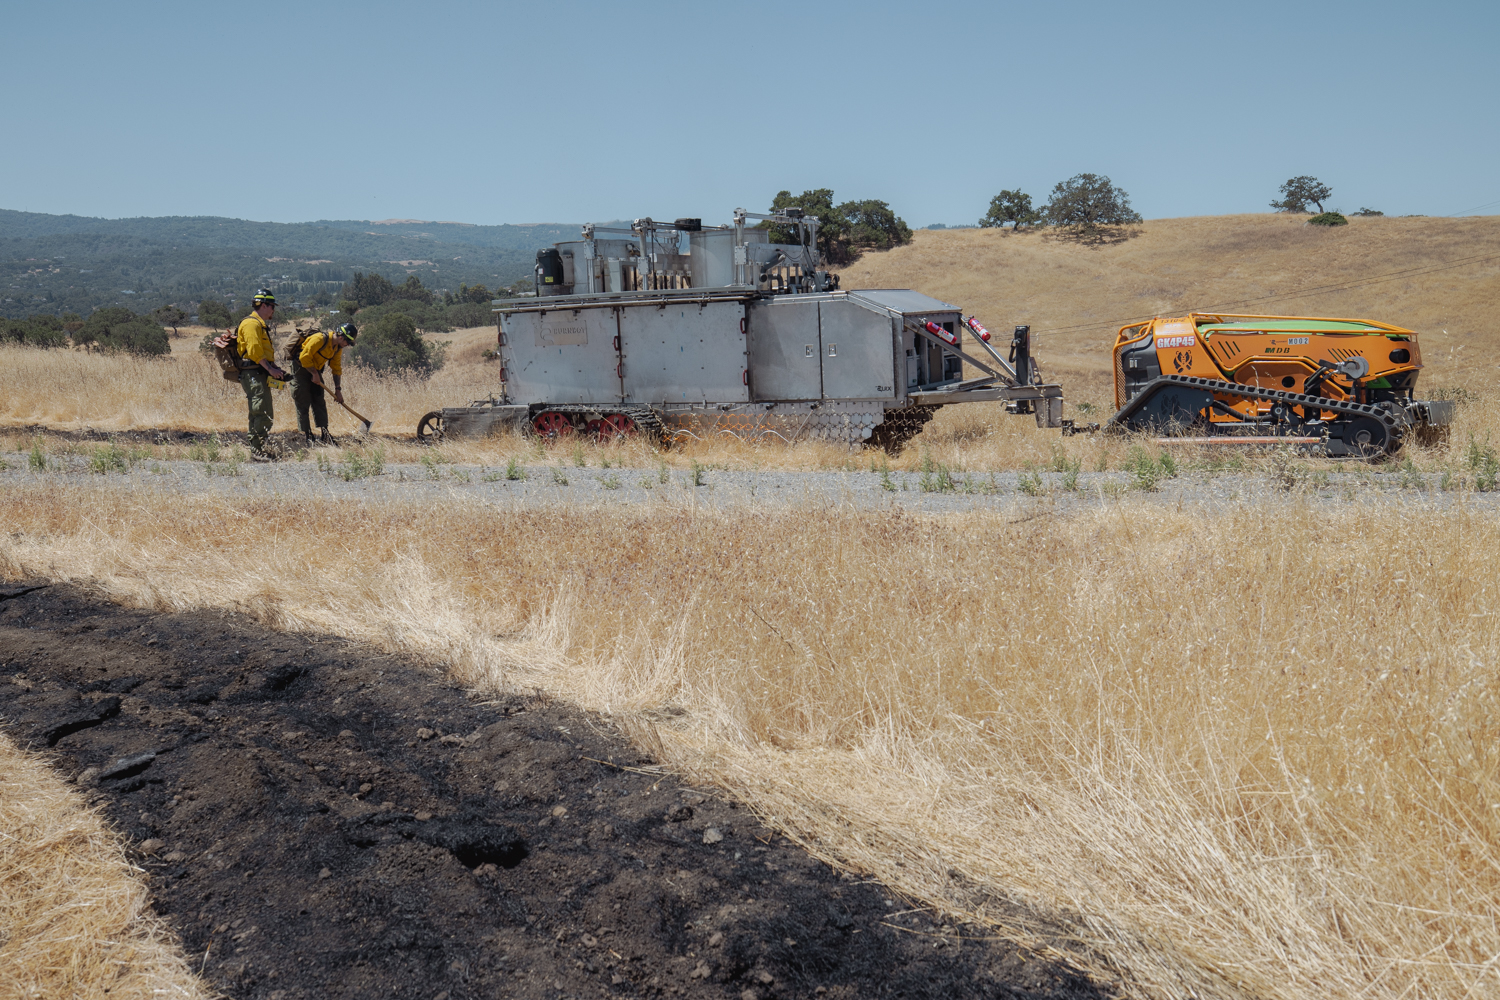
58	263
1440	277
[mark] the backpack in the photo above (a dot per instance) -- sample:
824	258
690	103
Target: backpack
227	354
292	351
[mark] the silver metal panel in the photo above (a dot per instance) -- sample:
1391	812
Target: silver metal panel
711	258
684	353
561	356
903	300
859	351
785	349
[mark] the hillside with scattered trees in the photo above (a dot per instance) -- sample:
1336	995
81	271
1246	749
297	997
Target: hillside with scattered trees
64	263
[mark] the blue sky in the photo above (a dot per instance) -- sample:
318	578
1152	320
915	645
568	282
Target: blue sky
494	113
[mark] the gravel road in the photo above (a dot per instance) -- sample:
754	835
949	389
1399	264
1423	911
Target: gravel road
540	485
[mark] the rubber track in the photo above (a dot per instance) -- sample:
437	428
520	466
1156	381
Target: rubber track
1397	420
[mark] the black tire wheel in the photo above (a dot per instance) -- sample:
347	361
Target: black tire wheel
430	428
1368	437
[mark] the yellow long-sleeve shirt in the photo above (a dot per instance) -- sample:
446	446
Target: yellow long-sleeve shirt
255	340
321	349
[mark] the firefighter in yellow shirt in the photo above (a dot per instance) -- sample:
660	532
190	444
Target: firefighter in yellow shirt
257	366
320	350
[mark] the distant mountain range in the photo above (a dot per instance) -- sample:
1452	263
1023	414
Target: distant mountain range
70	263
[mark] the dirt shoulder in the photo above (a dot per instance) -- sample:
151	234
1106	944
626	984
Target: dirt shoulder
320	820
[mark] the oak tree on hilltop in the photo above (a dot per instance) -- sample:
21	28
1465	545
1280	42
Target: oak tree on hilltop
1298	192
1011	208
1088	201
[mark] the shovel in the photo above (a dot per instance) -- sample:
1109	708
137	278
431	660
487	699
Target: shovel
357	416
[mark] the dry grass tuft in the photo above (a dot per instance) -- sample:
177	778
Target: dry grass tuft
1237	751
75	920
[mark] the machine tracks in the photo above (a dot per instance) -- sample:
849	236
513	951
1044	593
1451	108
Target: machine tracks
585	418
1362	429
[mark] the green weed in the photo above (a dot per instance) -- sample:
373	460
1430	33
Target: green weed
206	451
1070	467
362	464
514	470
938	480
1410	476
109	458
1147	471
36	459
610	482
1480	459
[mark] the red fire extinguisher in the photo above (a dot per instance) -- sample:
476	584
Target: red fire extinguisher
973	324
938	331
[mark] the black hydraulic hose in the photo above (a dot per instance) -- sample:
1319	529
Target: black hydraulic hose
1230	411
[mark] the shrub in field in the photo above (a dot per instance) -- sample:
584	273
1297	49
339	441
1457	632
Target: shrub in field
391	343
213	313
1328	219
42	330
116	328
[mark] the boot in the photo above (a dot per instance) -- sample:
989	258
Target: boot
327	438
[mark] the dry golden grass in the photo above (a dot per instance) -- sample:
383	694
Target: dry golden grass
1223	752
71	390
75	920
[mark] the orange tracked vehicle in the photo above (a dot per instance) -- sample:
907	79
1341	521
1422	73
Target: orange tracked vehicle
1342	386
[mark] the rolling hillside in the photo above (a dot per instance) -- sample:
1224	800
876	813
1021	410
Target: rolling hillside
1440	277
57	263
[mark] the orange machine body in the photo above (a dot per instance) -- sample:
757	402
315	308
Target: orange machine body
1344	387
1270	352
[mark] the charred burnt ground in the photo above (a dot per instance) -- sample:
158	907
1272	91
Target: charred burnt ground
321	820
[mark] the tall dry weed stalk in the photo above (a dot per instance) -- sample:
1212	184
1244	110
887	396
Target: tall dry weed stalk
75	921
1218	751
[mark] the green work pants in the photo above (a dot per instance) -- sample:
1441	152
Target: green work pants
307	394
258	394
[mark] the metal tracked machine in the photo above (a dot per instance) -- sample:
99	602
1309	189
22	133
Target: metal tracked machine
1345	387
681	329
